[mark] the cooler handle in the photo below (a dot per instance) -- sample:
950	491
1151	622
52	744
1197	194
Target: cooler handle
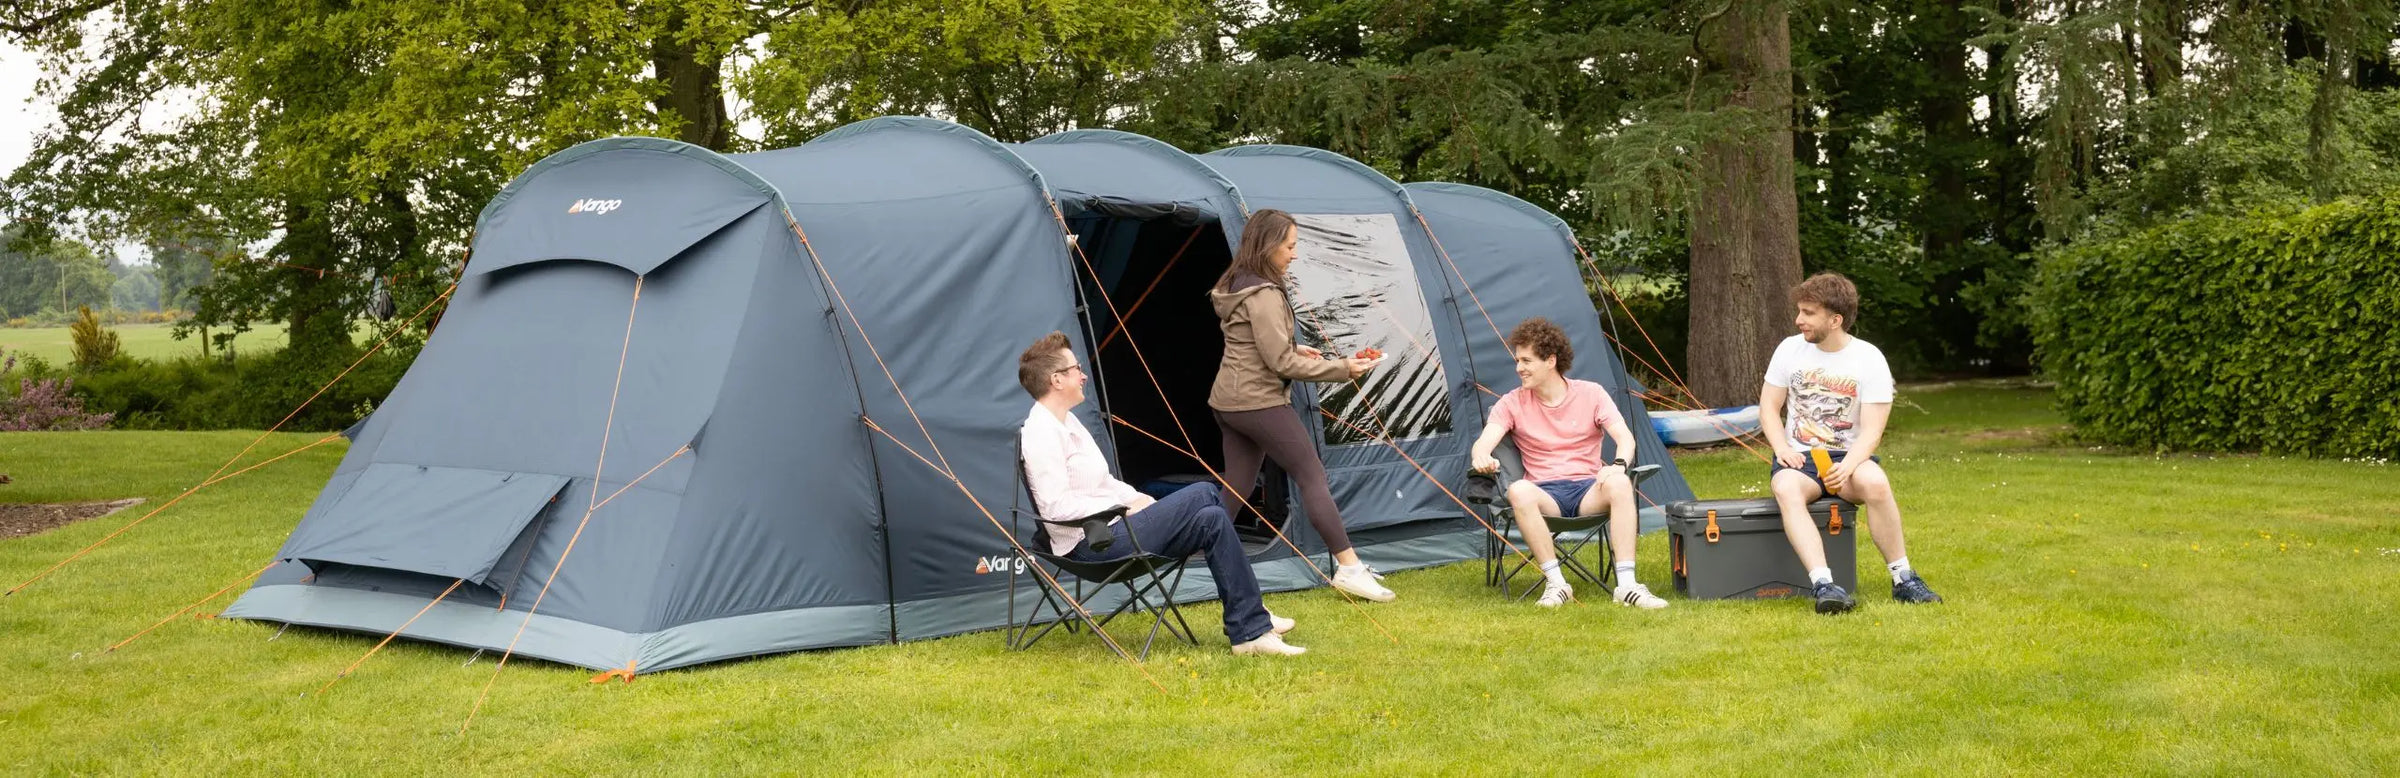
1712	526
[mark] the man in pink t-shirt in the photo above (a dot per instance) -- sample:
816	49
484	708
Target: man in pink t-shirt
1559	425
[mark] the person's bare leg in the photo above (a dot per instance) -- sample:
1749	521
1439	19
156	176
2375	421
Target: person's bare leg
1624	527
1871	487
1624	521
1793	493
1530	504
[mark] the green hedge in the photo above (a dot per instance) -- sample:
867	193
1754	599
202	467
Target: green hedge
249	392
2277	332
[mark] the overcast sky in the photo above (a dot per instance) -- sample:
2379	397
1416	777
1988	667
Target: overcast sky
18	118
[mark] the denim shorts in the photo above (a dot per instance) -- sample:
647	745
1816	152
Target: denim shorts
1808	465
1569	494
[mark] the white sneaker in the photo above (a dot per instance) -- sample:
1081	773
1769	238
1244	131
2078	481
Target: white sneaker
1361	582
1280	624
1555	593
1639	596
1269	644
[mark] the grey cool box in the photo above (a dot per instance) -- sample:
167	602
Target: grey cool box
1735	549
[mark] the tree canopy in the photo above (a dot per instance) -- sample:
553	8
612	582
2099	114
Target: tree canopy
311	151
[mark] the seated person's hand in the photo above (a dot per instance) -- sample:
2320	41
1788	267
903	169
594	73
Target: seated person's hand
1789	457
1139	502
1486	464
1840	476
1310	352
1359	367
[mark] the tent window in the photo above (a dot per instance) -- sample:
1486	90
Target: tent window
1354	288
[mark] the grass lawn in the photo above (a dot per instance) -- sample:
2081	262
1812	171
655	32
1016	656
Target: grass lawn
2109	612
140	341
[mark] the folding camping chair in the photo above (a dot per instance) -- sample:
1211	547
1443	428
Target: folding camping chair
1570	535
1149	579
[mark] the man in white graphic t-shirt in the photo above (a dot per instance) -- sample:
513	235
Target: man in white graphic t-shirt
1834	392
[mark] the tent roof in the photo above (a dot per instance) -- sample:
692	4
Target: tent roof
1122	173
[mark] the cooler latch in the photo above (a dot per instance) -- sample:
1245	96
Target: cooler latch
1712	526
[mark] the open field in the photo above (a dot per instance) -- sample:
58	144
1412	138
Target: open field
141	341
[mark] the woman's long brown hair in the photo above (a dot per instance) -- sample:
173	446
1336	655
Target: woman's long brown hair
1264	231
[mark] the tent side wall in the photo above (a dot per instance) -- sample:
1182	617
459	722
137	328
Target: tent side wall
779	545
1394	515
944	246
1521	262
481	463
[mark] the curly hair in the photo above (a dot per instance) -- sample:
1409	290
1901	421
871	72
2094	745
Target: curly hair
1041	361
1832	292
1546	340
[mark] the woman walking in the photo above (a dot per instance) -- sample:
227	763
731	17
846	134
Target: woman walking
1251	397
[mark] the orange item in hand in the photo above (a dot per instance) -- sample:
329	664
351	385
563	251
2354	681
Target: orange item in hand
1370	353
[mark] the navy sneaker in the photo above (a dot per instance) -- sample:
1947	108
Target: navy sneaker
1831	599
1913	590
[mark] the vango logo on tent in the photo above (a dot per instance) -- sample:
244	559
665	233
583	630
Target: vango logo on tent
595	206
999	563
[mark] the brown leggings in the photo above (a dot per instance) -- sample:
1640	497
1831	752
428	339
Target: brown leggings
1275	433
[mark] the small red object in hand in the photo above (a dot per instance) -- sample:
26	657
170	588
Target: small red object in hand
1370	353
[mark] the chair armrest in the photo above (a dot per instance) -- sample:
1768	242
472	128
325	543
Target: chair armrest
1483	488
1644	472
1095	527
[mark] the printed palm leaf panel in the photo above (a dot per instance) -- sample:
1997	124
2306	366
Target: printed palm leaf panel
1353	288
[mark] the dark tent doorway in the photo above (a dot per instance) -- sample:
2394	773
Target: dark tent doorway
1158	270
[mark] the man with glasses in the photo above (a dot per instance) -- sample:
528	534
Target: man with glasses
1070	480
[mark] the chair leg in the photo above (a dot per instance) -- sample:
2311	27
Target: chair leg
1023	640
1138	593
1176	608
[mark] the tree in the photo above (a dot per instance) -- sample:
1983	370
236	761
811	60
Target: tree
53	275
351	143
1745	221
136	288
1017	71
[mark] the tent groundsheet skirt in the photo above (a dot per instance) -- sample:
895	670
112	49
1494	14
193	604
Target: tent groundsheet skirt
563	640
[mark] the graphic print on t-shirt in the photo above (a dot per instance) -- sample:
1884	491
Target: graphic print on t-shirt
1824	409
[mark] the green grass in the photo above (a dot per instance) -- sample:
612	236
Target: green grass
140	341
2108	613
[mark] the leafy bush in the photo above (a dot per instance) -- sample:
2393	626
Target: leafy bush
2276	332
94	345
43	404
250	392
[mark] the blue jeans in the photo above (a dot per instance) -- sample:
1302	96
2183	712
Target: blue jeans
1193	519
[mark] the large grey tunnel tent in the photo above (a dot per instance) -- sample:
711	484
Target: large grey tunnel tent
718	337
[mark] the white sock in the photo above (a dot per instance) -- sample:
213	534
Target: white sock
1342	569
1625	575
1550	573
1900	569
1820	576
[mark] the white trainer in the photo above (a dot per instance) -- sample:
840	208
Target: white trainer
1280	624
1639	596
1269	644
1361	582
1555	593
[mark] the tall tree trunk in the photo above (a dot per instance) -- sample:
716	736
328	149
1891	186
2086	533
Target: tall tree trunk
1746	226
316	303
1952	153
695	93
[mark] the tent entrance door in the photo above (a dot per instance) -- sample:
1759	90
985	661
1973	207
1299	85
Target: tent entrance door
1158	272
